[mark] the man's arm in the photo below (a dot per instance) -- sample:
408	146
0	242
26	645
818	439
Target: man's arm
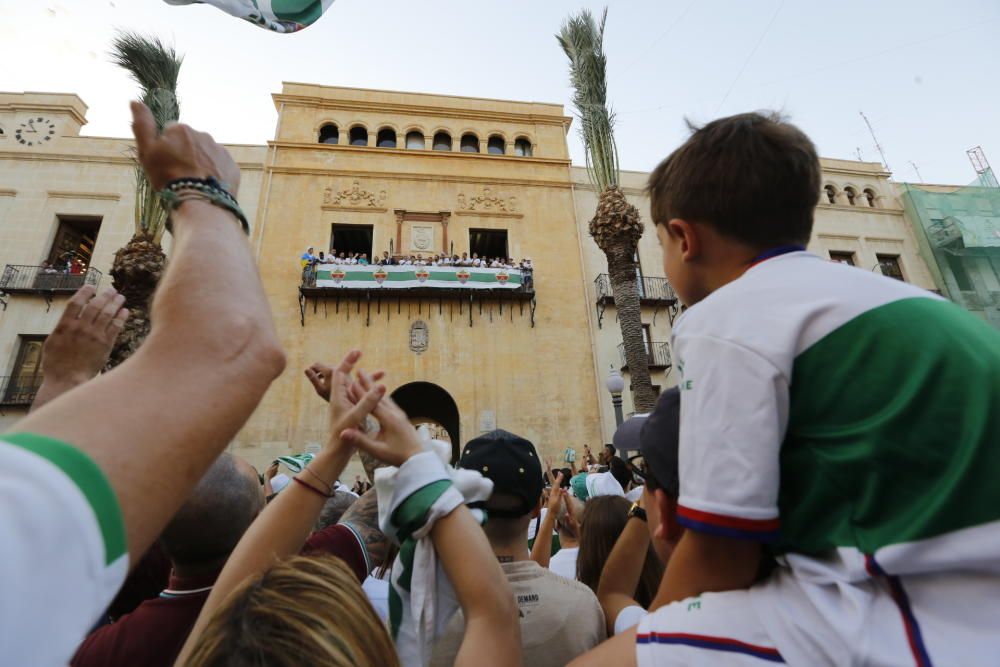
155	424
622	570
704	563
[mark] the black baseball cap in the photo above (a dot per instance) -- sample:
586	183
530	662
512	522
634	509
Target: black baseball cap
659	441
512	464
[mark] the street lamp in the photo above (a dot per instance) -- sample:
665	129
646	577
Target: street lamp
616	385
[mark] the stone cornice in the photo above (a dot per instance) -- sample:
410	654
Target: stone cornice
91	159
42	107
490	214
358	209
7	192
860	209
400	176
420	110
109	196
420	153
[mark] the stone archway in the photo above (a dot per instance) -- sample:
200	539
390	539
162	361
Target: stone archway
427	401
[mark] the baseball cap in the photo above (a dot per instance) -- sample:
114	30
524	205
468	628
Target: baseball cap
659	440
510	462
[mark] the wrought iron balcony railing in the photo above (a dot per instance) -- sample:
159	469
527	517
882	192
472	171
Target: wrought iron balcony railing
653	291
27	279
657	355
18	392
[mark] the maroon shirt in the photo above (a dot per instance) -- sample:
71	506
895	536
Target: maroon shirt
153	634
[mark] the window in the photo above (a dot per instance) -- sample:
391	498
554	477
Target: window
889	265
415	141
870	196
958	270
852	195
329	134
359	136
386	138
843	257
640	286
522	147
488	243
469	144
75	239
351	239
647	338
26	376
442	141
496	145
831	194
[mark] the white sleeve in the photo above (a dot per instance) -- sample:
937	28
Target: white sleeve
629	617
734	413
64	555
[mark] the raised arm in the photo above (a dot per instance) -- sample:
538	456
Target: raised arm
541	550
154	424
282	528
492	632
622	570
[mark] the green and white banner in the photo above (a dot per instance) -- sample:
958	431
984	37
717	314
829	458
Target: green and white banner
276	15
401	277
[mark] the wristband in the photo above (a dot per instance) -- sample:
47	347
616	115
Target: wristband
209	189
312	488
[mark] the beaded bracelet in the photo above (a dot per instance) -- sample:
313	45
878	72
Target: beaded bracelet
209	189
312	488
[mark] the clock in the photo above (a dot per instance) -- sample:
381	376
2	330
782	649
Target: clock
35	131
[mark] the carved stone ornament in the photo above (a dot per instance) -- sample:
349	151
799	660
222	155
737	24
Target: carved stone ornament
487	202
422	238
353	196
418	336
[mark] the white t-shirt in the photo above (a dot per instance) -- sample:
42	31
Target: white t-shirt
629	617
563	562
377	591
64	555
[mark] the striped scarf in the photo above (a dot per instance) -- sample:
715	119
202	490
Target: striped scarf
277	15
411	499
296	462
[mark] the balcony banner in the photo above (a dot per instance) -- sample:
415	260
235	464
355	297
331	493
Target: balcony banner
400	277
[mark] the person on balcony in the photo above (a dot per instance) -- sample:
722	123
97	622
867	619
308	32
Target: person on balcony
308	258
363	260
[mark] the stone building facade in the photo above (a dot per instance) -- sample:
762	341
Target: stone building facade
374	171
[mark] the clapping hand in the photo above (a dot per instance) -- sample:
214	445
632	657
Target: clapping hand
396	440
350	405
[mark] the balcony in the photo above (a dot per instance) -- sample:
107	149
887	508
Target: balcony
18	392
657	356
653	291
43	281
381	291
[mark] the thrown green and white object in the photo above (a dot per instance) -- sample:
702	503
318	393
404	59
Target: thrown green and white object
276	15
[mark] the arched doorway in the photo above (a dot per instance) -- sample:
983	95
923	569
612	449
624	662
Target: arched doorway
426	401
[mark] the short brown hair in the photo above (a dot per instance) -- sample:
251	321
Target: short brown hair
753	177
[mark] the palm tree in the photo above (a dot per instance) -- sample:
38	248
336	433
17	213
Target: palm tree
616	226
138	265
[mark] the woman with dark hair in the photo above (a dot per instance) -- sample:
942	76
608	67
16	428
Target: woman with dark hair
604	519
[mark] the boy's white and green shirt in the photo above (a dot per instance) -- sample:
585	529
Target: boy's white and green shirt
829	410
64	555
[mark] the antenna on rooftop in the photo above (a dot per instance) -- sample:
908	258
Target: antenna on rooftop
977	157
857	152
878	146
914	165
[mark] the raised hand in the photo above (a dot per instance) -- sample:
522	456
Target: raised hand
349	409
556	494
180	152
79	346
397	439
320	375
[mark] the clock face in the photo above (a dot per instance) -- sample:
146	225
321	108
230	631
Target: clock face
35	131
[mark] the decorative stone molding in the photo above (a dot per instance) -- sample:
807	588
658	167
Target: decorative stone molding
354	197
486	204
109	196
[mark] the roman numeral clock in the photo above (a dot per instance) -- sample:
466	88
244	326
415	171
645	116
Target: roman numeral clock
35	131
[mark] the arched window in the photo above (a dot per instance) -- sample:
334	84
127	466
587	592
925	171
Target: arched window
496	145
852	195
329	134
386	138
415	141
442	141
359	136
831	194
870	196
522	147
470	143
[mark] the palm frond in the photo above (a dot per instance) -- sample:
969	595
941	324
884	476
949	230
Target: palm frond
155	67
582	40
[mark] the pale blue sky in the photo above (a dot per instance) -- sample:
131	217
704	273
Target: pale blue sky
923	71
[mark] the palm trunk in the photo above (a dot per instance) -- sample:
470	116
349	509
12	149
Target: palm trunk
621	271
135	273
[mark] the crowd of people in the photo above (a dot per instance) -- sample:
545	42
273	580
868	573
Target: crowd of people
310	259
818	490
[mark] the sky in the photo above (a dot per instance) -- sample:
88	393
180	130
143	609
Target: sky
922	71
